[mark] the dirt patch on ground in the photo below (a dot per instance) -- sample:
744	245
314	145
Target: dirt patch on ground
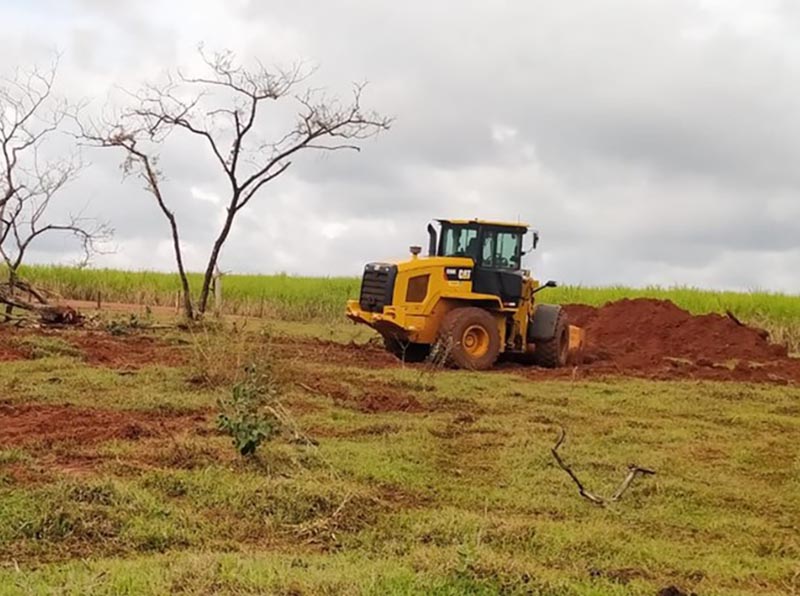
98	348
23	425
364	395
8	351
370	354
133	351
655	338
389	401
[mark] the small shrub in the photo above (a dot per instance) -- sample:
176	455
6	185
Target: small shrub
251	414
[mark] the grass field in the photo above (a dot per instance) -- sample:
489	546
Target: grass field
322	299
449	490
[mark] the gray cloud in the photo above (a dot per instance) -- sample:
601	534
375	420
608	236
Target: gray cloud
649	142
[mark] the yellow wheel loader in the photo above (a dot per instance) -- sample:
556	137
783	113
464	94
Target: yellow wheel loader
468	300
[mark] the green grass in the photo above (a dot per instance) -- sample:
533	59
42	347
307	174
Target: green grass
66	380
43	347
462	496
321	299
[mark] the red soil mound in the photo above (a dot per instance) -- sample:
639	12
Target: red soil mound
657	338
637	332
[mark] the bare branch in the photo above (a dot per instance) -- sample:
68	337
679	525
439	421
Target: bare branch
633	472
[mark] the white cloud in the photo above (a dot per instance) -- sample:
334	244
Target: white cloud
203	195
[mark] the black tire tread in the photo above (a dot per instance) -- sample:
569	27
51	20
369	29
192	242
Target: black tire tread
549	354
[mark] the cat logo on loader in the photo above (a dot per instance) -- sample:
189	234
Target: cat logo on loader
469	298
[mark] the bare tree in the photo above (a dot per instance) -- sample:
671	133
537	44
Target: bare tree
123	133
30	116
225	110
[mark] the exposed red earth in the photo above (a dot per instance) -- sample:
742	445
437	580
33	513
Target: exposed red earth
655	338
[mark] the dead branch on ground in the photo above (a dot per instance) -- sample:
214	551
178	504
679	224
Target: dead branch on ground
325	527
633	472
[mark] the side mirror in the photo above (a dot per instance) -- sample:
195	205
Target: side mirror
534	245
548	284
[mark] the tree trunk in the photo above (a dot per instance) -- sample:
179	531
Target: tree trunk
188	309
12	282
214	257
152	180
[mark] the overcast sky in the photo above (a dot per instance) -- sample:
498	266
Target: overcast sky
649	141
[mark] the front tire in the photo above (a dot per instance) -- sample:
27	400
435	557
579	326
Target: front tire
469	339
553	353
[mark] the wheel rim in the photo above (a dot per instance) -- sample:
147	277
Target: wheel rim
475	341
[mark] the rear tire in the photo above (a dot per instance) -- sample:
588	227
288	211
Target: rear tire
554	352
405	350
469	339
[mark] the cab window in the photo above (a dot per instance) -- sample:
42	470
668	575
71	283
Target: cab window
501	250
459	241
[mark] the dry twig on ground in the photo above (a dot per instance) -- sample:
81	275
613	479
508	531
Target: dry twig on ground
633	472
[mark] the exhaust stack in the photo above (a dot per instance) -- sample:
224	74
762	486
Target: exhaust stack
431	241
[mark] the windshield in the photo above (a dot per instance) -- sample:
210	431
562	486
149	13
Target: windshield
459	241
491	247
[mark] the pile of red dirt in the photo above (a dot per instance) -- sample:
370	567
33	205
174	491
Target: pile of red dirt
656	338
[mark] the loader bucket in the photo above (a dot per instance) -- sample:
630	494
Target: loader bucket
577	341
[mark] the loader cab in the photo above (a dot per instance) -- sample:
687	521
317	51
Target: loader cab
496	250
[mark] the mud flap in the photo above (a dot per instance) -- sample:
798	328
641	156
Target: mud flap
543	327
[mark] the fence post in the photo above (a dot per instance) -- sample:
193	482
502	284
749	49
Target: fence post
217	291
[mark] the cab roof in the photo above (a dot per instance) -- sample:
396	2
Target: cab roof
485	222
